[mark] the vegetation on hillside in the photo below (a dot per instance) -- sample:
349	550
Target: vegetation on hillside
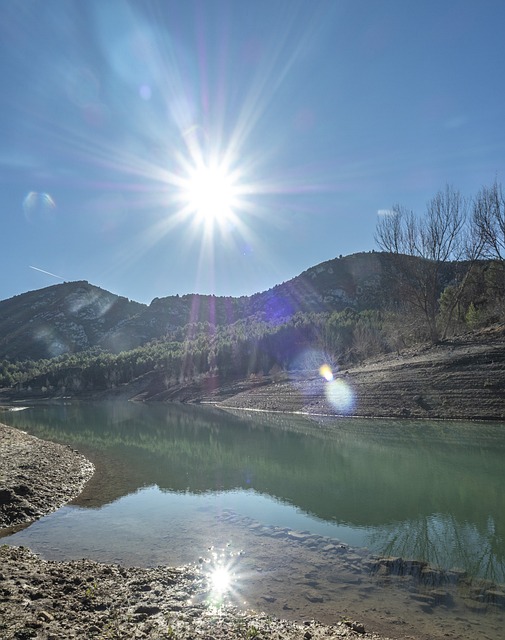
457	237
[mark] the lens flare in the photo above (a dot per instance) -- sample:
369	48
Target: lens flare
326	372
340	395
37	204
337	391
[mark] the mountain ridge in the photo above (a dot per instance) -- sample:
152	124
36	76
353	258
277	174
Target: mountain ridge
77	316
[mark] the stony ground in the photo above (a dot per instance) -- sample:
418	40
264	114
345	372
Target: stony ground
36	477
84	599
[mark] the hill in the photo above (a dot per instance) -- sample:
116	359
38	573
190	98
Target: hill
77	316
63	318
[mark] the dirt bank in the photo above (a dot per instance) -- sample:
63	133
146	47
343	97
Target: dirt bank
36	477
461	378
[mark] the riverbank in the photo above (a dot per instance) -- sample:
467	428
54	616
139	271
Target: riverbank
85	599
460	378
36	477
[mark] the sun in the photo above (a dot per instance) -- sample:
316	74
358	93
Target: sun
210	193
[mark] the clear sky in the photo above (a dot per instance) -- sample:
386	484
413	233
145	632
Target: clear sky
156	147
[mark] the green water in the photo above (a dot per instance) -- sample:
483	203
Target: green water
426	490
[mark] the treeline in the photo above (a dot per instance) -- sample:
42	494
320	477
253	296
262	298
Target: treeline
245	348
453	229
255	347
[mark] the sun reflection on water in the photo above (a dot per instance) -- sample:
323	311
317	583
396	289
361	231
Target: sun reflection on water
220	580
224	581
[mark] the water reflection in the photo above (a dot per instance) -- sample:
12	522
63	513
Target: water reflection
444	541
432	491
221	567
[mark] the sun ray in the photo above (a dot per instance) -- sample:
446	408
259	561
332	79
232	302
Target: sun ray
187	165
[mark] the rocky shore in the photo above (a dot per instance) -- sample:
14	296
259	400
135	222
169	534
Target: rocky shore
84	599
36	477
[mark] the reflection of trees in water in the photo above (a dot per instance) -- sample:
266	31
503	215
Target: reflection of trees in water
364	474
444	542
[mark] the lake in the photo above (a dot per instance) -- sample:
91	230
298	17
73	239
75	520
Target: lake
299	509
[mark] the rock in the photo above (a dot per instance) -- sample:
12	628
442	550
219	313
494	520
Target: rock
40	476
358	627
22	490
295	535
456	575
45	616
313	596
25	634
6	496
149	610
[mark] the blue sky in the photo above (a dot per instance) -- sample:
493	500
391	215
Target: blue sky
315	115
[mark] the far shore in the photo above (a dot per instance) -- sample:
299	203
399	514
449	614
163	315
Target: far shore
461	378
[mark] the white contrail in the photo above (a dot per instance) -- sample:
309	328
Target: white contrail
48	272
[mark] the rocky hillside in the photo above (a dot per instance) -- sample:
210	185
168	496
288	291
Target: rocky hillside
76	316
68	317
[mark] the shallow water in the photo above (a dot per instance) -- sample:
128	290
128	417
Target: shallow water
176	483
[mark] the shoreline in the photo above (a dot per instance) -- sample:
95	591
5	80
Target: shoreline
36	477
54	600
58	600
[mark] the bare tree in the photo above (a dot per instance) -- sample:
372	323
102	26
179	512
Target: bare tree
488	219
422	246
391	232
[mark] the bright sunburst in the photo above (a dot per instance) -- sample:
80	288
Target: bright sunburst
210	192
